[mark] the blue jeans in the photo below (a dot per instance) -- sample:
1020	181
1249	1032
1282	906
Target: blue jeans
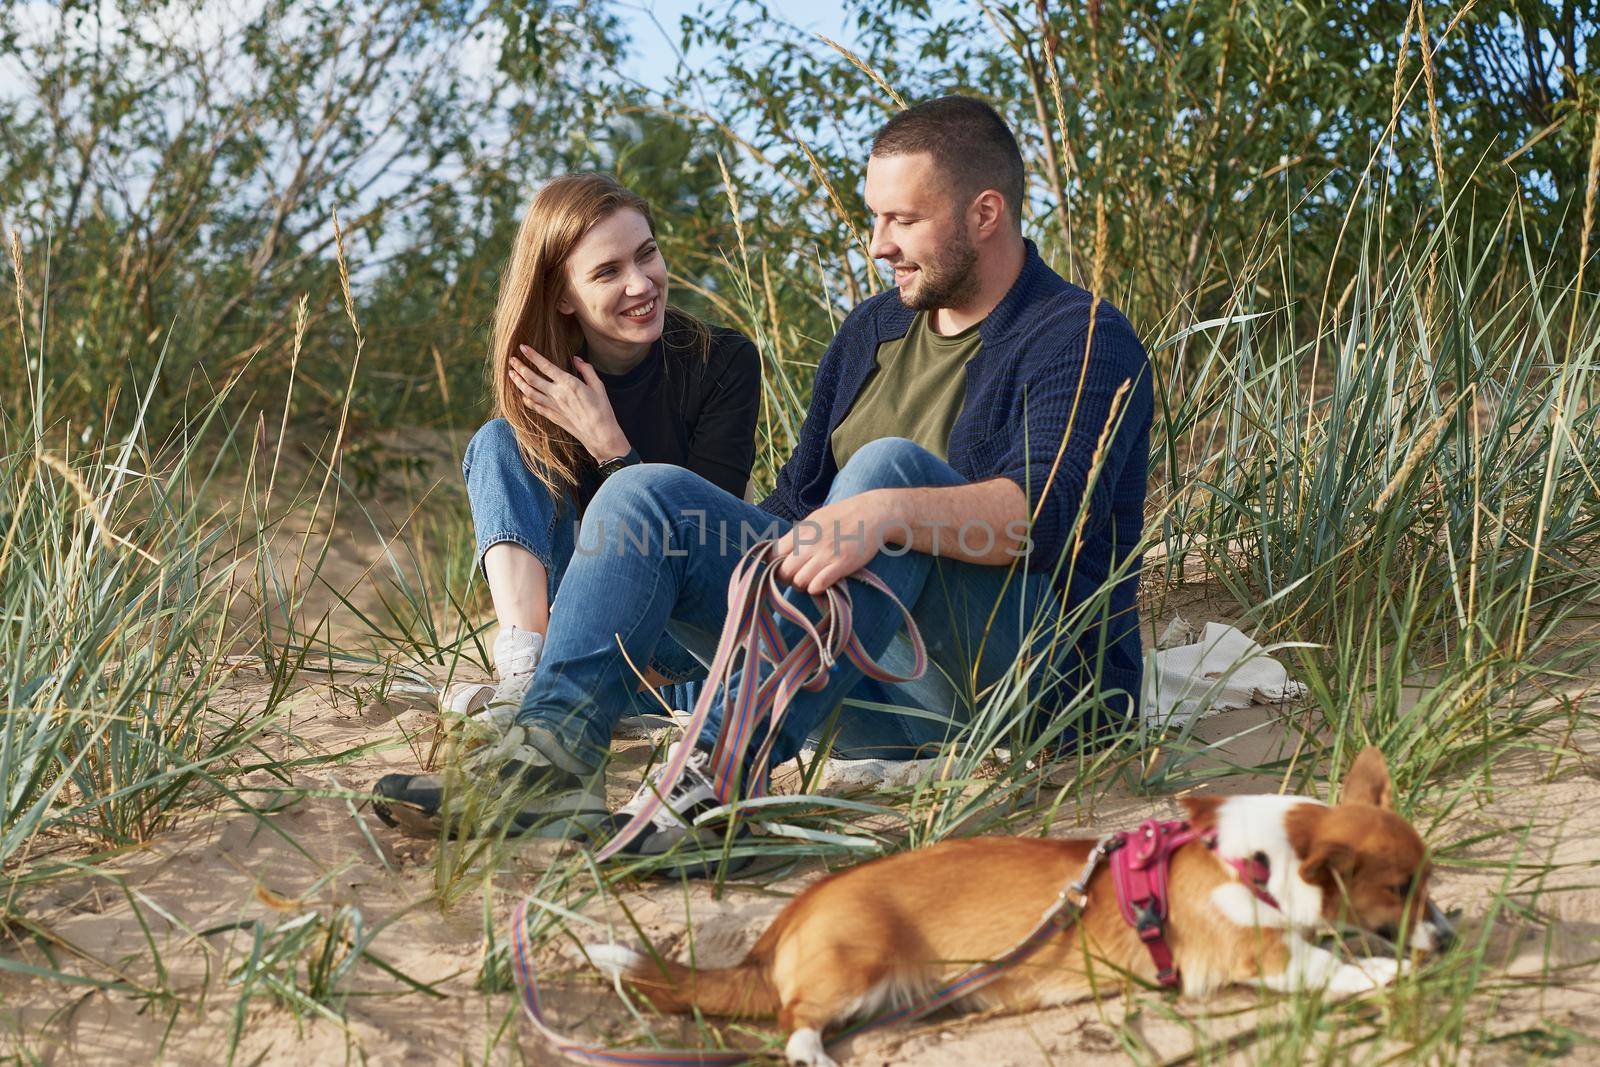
510	504
654	555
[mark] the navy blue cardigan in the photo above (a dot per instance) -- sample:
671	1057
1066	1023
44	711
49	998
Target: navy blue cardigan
1019	404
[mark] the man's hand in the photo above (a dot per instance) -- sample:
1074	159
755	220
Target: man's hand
984	523
575	402
837	540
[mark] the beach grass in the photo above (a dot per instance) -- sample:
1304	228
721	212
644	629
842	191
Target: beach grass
1392	483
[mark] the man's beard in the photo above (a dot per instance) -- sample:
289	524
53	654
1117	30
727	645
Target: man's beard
947	281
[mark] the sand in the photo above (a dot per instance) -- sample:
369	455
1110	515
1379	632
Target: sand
205	885
230	867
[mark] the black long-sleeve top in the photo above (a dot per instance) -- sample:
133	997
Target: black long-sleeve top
699	413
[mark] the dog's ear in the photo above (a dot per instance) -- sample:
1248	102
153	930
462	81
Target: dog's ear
1368	781
1329	864
1320	859
1202	810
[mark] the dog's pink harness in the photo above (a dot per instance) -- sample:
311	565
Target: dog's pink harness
1140	860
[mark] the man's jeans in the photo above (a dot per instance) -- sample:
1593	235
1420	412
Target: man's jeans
654	556
510	504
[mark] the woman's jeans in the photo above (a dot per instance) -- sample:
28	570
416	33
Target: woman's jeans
654	555
510	504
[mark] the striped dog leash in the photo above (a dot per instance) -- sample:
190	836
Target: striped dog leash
751	638
1060	915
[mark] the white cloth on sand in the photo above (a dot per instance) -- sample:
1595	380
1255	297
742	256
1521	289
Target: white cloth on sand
1188	675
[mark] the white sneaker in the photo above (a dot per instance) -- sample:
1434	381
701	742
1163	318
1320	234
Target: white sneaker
516	655
691	795
699	848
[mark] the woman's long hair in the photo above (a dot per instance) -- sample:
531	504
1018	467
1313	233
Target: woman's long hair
562	212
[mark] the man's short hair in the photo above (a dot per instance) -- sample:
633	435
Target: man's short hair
969	142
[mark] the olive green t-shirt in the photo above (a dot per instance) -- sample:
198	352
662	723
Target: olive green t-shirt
915	391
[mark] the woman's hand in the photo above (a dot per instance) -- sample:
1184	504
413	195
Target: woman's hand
576	403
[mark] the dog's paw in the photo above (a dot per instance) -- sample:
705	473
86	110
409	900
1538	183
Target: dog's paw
1364	975
1383	970
805	1049
613	961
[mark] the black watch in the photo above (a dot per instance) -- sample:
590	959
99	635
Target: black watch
616	463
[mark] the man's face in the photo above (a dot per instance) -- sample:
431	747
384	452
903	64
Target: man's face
919	228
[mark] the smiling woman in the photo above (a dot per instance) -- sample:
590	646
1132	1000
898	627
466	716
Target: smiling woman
592	370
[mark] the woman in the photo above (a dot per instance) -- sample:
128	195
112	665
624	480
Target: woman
592	371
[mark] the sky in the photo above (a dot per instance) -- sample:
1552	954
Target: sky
645	20
653	28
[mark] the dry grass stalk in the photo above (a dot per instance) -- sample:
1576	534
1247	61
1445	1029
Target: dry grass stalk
1009	30
1390	130
1117	399
1588	225
1438	159
1400	63
1559	429
300	316
732	193
833	199
1050	65
1097	269
22	327
1419	448
1048	33
1474	423
11	533
344	278
344	407
1093	15
1428	295
109	537
16	272
438	373
861	65
1097	276
1433	101
769	296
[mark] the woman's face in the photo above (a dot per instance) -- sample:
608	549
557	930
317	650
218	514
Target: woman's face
617	284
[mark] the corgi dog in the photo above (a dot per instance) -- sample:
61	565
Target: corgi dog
889	932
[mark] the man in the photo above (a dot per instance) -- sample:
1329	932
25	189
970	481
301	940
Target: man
957	425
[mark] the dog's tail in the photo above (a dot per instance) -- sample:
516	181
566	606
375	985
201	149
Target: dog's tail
741	991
